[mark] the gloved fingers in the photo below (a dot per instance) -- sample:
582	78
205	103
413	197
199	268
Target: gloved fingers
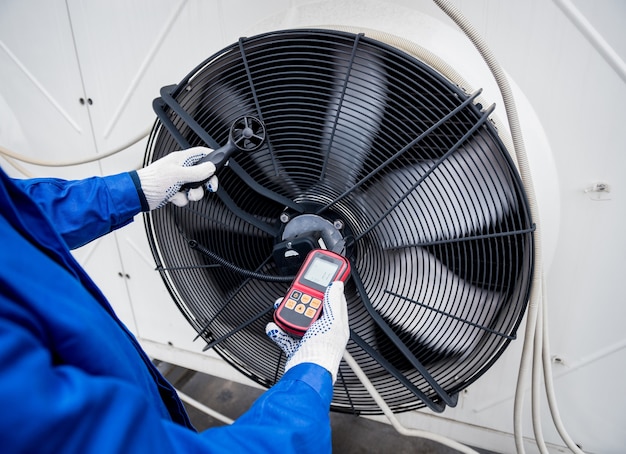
197	172
334	314
182	198
325	341
189	156
212	185
188	171
334	303
195	194
335	298
277	334
277	303
288	344
179	199
161	180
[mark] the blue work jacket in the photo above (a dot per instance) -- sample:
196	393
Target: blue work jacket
74	379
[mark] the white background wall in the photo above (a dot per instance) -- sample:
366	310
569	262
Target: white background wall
118	54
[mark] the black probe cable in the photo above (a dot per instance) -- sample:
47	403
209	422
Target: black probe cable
193	244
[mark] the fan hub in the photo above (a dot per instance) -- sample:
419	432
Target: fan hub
303	233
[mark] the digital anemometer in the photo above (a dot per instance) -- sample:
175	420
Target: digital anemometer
247	134
303	302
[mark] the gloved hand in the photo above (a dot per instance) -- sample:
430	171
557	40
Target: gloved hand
161	181
325	341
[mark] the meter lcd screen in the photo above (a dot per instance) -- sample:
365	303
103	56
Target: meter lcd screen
321	271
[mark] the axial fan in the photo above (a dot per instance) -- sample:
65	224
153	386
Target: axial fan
369	151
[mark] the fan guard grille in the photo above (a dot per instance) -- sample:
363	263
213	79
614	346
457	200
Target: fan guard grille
436	220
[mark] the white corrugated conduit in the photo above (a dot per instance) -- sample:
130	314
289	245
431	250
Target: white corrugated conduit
11	155
536	347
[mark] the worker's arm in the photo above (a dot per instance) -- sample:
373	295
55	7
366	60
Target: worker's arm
84	210
50	406
293	416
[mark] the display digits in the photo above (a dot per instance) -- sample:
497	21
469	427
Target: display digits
303	303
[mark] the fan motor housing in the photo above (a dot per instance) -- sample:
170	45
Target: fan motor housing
368	151
305	232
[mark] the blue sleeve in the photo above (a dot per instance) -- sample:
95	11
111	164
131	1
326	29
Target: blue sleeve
291	417
50	408
84	210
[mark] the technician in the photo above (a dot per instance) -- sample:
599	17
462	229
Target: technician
74	379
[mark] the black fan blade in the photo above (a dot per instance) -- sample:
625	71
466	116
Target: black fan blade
220	219
465	194
354	116
439	310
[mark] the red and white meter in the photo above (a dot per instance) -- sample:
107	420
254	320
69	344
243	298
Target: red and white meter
302	304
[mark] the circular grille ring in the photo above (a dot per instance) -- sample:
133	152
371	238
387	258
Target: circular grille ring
368	138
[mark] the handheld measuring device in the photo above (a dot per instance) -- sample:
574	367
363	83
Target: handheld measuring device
247	134
302	305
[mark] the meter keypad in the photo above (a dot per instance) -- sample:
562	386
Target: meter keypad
303	303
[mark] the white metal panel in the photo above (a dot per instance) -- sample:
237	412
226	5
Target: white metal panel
42	86
127	51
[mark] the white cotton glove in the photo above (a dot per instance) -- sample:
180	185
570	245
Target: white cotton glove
325	341
161	181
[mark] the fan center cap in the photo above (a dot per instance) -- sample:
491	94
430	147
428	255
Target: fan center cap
302	234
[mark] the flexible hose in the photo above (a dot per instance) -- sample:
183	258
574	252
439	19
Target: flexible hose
536	385
551	395
193	244
392	418
537	300
10	154
14	164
